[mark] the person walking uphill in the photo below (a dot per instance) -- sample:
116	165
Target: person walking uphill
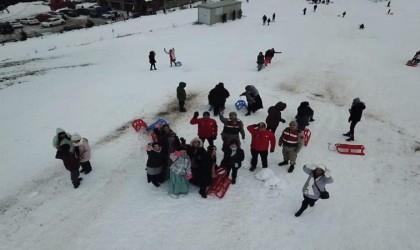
356	111
274	116
82	152
217	98
292	141
261	140
232	128
319	177
152	60
181	95
171	53
207	127
253	98
180	172
155	163
71	163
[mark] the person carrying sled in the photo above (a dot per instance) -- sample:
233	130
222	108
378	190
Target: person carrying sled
274	116
171	53
262	139
260	61
292	141
152	60
232	128
319	177
217	98
207	127
253	98
82	152
356	111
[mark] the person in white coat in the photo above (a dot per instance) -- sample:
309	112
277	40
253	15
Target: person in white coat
319	176
82	152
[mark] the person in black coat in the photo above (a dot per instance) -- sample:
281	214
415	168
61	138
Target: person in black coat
264	18
71	163
260	61
217	98
356	111
206	170
274	116
169	144
152	60
253	98
304	115
196	153
232	159
155	163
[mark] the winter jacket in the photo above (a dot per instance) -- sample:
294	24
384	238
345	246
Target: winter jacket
207	127
304	114
152	57
356	111
261	140
180	165
320	182
82	150
274	115
232	127
180	91
260	59
290	138
205	169
253	98
57	142
230	160
71	163
217	96
156	159
196	153
171	54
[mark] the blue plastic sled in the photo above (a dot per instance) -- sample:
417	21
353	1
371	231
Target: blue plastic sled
159	122
178	63
240	104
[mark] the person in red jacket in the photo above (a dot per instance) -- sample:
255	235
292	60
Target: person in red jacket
207	127
261	140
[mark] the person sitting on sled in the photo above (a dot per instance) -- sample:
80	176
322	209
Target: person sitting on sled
172	57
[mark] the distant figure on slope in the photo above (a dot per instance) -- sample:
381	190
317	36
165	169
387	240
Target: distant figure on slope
269	54
253	98
344	14
416	58
217	98
319	177
356	111
260	61
389	4
305	114
82	152
171	53
264	18
362	26
389	12
71	163
224	18
304	11
233	15
274	116
315	7
152	60
181	95
274	17
268	21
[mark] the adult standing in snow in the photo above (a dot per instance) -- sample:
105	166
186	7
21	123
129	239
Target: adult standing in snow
240	14
224	18
253	98
344	14
169	145
260	61
155	163
232	128
356	111
274	116
233	15
206	170
82	151
61	138
196	153
292	141
152	60
304	11
207	127
181	95
274	17
232	158
315	7
217	98
262	139
305	114
389	4
319	177
264	18
180	172
171	53
71	163
268	21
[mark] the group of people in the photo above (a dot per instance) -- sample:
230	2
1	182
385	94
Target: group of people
74	151
265	59
234	14
268	20
152	58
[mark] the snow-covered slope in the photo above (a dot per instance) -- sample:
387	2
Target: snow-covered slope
96	81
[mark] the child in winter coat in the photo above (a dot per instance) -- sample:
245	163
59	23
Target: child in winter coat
155	163
152	60
232	159
71	163
171	53
319	177
274	116
180	172
181	95
82	152
260	61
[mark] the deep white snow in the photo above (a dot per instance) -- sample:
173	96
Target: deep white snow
96	81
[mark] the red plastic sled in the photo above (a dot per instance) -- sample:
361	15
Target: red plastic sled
306	136
350	149
138	124
220	184
411	64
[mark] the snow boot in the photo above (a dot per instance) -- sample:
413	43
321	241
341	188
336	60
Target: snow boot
203	194
291	168
351	138
347	134
233	181
298	213
156	183
249	113
283	163
76	184
252	169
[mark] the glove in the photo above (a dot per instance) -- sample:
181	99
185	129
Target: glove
271	150
283	120
188	176
349	119
182	140
214	138
196	114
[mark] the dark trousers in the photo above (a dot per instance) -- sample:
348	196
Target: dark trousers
203	189
86	167
74	175
254	159
234	171
210	140
217	108
181	105
306	202
152	65
352	125
273	128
